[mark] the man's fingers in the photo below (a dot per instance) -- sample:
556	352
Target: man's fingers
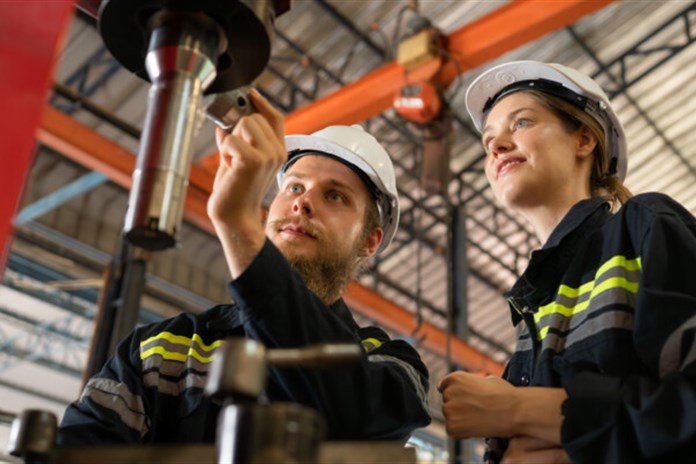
220	135
268	111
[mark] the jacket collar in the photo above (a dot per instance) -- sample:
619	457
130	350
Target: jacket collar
547	264
587	214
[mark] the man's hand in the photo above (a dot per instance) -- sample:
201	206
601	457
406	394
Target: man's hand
250	157
527	449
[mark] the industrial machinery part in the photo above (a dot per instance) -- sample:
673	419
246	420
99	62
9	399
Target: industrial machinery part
32	435
250	431
247	26
186	50
241	365
420	102
6	419
348	452
265	433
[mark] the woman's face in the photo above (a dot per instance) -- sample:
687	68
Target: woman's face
532	160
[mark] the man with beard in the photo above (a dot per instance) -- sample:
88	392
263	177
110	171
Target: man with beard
336	207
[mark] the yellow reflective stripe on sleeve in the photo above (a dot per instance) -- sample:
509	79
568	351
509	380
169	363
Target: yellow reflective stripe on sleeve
172	356
619	261
616	261
622	272
614	282
160	341
182	340
571	292
370	344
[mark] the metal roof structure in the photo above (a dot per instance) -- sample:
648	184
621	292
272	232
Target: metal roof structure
332	62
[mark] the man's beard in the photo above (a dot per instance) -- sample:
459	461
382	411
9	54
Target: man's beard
327	276
330	271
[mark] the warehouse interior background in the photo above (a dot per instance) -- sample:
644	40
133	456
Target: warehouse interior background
331	62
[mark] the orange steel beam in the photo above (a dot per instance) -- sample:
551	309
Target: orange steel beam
84	146
489	37
505	29
393	317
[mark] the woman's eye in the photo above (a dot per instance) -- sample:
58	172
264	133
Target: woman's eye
295	188
519	123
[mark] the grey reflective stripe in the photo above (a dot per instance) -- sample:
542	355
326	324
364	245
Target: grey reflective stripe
582	324
524	339
177	386
524	345
196	374
611	320
117	397
411	373
613	296
671	355
174	367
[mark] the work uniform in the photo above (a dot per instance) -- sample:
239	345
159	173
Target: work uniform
151	391
607	310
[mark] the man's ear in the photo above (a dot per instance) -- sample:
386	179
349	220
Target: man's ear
372	242
586	142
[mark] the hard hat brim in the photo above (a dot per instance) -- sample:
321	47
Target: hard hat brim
307	143
494	80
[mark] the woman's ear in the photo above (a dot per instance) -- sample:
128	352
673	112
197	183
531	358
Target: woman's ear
586	142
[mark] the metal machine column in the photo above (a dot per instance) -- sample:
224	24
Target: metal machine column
187	50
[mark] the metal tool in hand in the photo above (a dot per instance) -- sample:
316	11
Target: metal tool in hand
227	108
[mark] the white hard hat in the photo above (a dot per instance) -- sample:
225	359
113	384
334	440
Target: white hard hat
362	153
554	79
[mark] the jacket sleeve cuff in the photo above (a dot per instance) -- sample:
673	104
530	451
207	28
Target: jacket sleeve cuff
256	281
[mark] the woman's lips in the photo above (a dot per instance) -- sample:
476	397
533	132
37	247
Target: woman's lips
506	165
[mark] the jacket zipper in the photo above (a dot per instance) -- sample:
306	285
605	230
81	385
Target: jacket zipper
528	318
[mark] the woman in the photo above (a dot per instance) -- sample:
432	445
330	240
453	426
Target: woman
606	309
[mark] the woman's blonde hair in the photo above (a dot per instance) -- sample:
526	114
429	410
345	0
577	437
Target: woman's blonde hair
607	186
